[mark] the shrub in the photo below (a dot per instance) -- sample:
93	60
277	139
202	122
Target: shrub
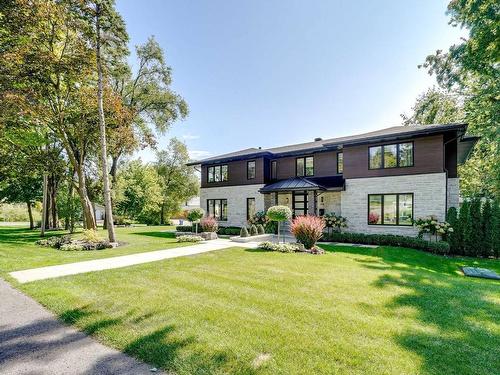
453	238
253	230
475	235
231	231
280	247
271	227
244	232
121	220
487	230
465	227
184	228
55	241
439	247
279	213
209	224
258	218
432	226
307	229
189	238
221	230
260	229
90	235
71	247
195	214
335	221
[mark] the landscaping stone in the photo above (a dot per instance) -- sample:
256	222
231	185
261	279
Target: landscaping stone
480	272
208	235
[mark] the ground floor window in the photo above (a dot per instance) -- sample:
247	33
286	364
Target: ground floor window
250	208
390	209
217	208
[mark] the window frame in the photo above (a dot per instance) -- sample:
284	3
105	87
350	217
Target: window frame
248	206
213	167
254	169
303	158
397	210
338	169
274	171
382	161
221	217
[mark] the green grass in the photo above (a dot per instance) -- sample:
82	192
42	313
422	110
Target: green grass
18	250
350	311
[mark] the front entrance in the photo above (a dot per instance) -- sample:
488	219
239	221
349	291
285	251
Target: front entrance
299	203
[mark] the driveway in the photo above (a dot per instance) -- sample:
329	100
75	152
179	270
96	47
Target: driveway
34	342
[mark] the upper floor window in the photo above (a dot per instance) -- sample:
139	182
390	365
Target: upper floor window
305	166
251	170
217	173
274	170
340	162
391	156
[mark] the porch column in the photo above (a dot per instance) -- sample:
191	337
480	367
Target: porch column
312	204
269	200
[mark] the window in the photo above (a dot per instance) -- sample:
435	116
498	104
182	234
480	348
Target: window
274	170
391	156
217	173
305	166
250	208
340	162
217	208
250	170
390	209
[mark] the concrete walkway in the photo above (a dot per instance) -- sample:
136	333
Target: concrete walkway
123	261
33	341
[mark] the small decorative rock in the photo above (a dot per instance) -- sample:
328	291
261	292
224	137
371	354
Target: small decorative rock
209	235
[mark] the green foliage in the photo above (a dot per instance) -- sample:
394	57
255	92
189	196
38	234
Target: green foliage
90	235
260	229
455	237
71	247
54	241
253	230
244	232
486	230
439	247
495	223
184	228
271	227
195	214
189	238
258	218
279	213
230	231
465	227
280	247
474	238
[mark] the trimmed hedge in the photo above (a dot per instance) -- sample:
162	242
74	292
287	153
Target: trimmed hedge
440	247
184	228
231	231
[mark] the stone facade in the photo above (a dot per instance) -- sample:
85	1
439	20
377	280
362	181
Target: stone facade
429	199
453	192
236	201
330	201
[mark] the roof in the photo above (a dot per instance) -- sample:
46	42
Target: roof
305	183
387	134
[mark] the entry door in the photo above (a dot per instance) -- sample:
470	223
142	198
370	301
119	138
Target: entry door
299	203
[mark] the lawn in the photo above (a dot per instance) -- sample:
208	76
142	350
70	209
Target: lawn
18	250
350	311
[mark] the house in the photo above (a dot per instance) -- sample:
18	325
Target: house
380	181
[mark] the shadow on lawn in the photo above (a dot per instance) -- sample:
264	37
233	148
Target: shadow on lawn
165	347
156	234
458	316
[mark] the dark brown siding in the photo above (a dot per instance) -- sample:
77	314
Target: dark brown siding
427	153
450	155
237	174
325	164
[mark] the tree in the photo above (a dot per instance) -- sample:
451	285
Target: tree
465	227
474	238
486	244
138	192
455	237
179	182
194	215
279	214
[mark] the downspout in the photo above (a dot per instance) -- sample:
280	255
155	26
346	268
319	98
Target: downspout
446	171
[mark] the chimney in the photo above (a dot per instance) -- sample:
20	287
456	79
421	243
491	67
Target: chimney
318	139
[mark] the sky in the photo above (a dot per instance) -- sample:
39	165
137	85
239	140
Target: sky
265	73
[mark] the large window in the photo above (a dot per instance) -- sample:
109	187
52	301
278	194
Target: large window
305	166
217	208
217	173
274	170
250	208
391	156
340	162
250	170
390	209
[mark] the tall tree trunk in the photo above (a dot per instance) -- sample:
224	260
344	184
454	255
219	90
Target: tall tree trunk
30	214
53	201
88	212
102	132
44	205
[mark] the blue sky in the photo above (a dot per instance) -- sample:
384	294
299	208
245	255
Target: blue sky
268	73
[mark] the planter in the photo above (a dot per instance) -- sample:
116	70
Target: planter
257	238
208	235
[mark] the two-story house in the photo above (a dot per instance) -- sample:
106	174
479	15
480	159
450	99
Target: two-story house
380	181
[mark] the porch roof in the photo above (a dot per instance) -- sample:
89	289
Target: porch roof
305	183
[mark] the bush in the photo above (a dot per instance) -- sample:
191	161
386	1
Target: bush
434	227
184	228
209	224
244	232
195	214
271	227
55	241
259	218
439	247
279	213
121	220
189	238
307	229
71	247
453	238
90	235
260	229
253	230
280	247
335	221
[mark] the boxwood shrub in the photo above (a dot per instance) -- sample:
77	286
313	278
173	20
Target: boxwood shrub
440	247
231	231
184	228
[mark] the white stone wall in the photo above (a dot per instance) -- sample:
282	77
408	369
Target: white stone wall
429	199
236	201
330	201
453	192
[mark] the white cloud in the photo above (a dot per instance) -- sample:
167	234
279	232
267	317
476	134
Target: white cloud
199	154
188	137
